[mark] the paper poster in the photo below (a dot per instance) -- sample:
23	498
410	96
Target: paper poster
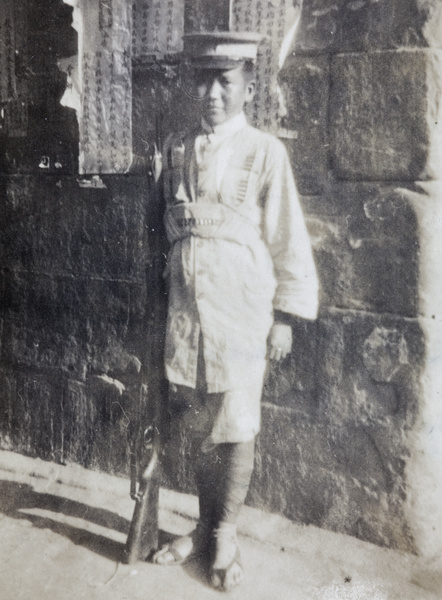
157	27
100	85
276	21
7	51
13	76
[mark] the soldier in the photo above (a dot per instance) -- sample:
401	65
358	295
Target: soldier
239	266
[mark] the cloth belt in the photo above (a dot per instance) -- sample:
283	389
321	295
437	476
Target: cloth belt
208	220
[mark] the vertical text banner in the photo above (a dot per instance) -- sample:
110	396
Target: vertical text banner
13	72
271	19
106	108
157	27
7	52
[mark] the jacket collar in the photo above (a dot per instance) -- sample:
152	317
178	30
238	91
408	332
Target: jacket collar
228	128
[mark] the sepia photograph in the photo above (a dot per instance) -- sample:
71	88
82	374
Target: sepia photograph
221	299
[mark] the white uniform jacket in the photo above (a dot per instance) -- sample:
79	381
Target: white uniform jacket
239	250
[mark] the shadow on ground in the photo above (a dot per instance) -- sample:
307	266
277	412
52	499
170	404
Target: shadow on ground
17	498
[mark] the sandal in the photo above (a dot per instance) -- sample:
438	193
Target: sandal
182	549
228	577
159	558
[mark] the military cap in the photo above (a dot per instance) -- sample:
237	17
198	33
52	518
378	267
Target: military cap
220	49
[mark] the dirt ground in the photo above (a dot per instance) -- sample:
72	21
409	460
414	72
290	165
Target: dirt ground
63	529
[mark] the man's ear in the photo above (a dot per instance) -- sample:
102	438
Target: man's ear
250	91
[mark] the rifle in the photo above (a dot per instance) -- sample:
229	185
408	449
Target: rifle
144	489
146	444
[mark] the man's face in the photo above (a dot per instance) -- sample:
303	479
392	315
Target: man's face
223	93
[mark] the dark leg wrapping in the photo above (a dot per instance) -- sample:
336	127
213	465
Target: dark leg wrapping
223	477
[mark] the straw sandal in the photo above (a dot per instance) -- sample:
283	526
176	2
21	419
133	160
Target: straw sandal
183	549
230	576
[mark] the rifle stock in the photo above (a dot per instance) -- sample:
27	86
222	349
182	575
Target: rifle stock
145	449
143	531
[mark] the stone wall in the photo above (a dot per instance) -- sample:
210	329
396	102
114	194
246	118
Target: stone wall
351	420
363	93
75	296
80	275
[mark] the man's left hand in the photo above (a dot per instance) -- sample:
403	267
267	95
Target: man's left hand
280	341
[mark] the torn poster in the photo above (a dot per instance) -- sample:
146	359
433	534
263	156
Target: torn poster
99	84
13	68
157	27
7	52
276	21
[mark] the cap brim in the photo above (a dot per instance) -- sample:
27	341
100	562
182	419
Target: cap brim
217	62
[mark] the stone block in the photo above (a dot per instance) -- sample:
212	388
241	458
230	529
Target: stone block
32	417
385	116
75	325
424	465
364	25
425	199
369	369
366	243
304	83
41	349
343	478
7	397
283	481
64	420
52	229
96	427
370	516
